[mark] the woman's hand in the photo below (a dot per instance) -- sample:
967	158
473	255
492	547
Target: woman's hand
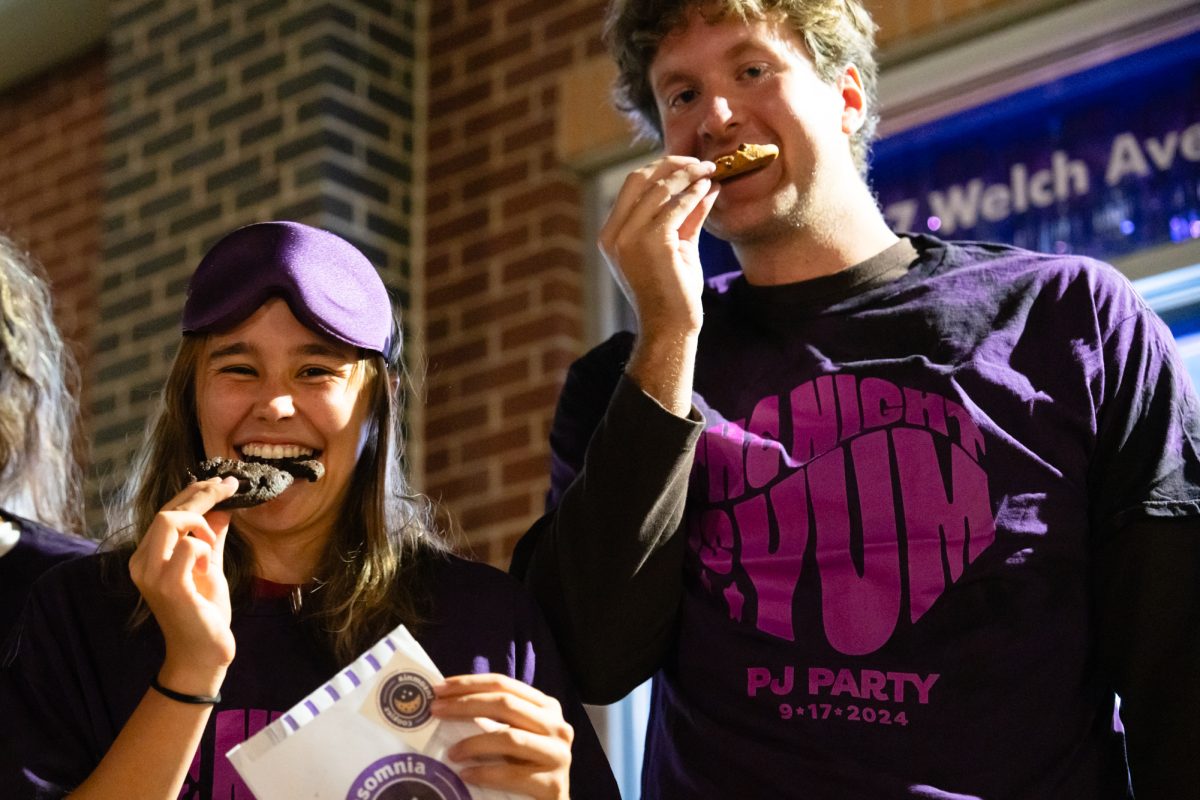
178	569
531	755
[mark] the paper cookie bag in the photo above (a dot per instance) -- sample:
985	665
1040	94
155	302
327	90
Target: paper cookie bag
366	734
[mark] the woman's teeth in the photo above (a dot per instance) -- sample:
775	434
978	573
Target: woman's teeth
276	451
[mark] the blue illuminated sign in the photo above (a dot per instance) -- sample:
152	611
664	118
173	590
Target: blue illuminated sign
1102	162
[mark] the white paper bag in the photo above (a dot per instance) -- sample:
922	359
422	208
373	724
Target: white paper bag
366	734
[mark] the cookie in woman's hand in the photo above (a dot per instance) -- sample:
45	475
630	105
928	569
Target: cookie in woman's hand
258	482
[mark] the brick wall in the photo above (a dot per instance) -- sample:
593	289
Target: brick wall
51	157
222	113
504	255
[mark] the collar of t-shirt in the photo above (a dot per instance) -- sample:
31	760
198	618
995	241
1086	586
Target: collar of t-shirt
817	294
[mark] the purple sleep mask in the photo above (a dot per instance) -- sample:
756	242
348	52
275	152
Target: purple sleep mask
329	285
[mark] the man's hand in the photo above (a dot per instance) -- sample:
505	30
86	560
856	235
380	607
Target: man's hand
651	243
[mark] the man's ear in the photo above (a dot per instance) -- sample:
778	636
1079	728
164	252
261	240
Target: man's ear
854	100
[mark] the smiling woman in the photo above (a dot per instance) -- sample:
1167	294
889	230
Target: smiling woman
290	353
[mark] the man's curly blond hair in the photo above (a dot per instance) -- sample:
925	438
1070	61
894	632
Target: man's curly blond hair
836	33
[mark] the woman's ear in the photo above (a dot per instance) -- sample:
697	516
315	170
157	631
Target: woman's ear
854	100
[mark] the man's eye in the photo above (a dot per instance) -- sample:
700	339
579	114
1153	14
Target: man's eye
683	98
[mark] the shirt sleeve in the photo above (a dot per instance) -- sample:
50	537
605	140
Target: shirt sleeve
1145	490
1148	631
606	563
1147	458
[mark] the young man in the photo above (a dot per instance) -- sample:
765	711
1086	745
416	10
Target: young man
885	516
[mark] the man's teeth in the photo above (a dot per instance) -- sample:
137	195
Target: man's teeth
276	451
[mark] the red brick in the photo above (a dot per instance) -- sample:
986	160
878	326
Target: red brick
511	175
589	16
493	311
498	117
457	226
523	470
438	395
495	53
51	170
438	265
496	377
459	355
531	10
542	398
539	263
442	103
555	290
502	442
464	485
539	134
441	426
437	460
495	245
458	291
450	38
534	68
544	327
495	512
455	162
561	224
553	194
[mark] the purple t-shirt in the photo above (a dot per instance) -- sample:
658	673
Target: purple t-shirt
902	483
889	527
79	672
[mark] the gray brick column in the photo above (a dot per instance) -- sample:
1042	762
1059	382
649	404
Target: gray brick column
225	112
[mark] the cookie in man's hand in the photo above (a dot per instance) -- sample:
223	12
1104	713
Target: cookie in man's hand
747	158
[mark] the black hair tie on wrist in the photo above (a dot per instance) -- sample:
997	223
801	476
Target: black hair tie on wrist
180	697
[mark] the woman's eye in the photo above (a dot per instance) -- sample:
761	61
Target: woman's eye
236	369
756	71
316	372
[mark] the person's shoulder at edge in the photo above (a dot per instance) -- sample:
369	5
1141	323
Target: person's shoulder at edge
49	541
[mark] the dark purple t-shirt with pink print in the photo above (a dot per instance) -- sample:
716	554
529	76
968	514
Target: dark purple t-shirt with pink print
903	475
79	672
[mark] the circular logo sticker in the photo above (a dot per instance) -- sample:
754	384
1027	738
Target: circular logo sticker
408	776
404	700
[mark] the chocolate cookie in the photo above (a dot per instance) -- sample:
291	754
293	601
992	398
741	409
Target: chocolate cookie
308	469
258	482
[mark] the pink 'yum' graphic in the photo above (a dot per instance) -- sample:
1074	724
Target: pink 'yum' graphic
876	477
